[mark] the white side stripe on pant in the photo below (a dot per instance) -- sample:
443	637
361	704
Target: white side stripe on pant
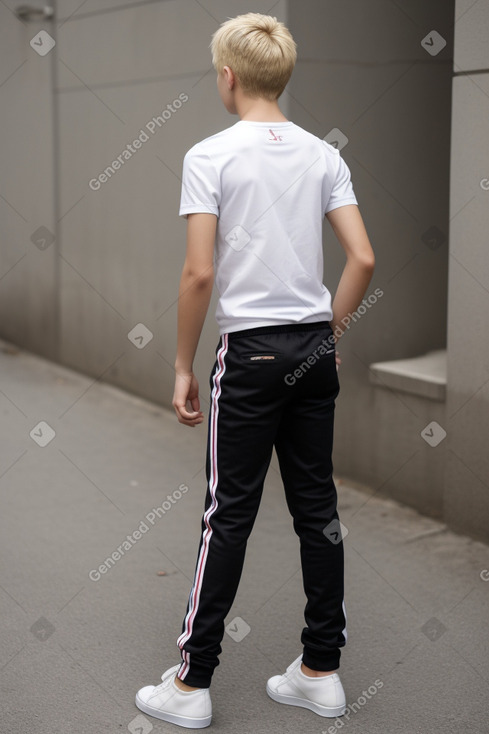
213	477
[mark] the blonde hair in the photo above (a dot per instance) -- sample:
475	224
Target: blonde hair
260	51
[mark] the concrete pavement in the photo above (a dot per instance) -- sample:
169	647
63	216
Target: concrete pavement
101	495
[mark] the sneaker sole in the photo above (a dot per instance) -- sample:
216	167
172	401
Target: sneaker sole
327	711
189	723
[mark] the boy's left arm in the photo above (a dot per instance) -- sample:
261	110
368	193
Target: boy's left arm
193	301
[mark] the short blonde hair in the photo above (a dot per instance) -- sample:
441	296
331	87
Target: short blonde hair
260	51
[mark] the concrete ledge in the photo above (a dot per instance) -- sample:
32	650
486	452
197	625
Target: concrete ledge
425	376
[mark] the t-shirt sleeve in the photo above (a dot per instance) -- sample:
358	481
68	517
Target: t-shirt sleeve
342	192
200	185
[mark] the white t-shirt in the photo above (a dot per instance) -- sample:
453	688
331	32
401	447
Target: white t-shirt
270	185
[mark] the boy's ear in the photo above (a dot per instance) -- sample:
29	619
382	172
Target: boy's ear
229	77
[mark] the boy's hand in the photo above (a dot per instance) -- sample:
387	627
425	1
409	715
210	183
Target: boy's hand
187	392
337	359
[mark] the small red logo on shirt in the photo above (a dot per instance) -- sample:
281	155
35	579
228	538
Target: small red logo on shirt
275	138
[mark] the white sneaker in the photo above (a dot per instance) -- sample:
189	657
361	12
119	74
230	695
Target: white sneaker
324	695
192	709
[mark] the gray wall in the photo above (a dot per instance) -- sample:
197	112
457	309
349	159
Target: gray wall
466	504
118	251
363	70
28	275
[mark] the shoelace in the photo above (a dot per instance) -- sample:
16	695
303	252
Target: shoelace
166	678
293	667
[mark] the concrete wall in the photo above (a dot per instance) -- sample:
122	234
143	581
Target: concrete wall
466	505
126	238
362	69
28	259
119	250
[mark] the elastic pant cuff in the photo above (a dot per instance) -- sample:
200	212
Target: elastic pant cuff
326	661
197	678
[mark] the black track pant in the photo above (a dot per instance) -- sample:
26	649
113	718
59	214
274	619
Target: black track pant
270	386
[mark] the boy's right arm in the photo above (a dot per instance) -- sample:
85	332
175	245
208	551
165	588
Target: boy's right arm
193	301
348	226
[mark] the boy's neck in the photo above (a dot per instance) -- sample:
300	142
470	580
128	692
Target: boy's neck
258	110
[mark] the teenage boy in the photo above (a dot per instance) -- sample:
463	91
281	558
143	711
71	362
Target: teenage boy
255	196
